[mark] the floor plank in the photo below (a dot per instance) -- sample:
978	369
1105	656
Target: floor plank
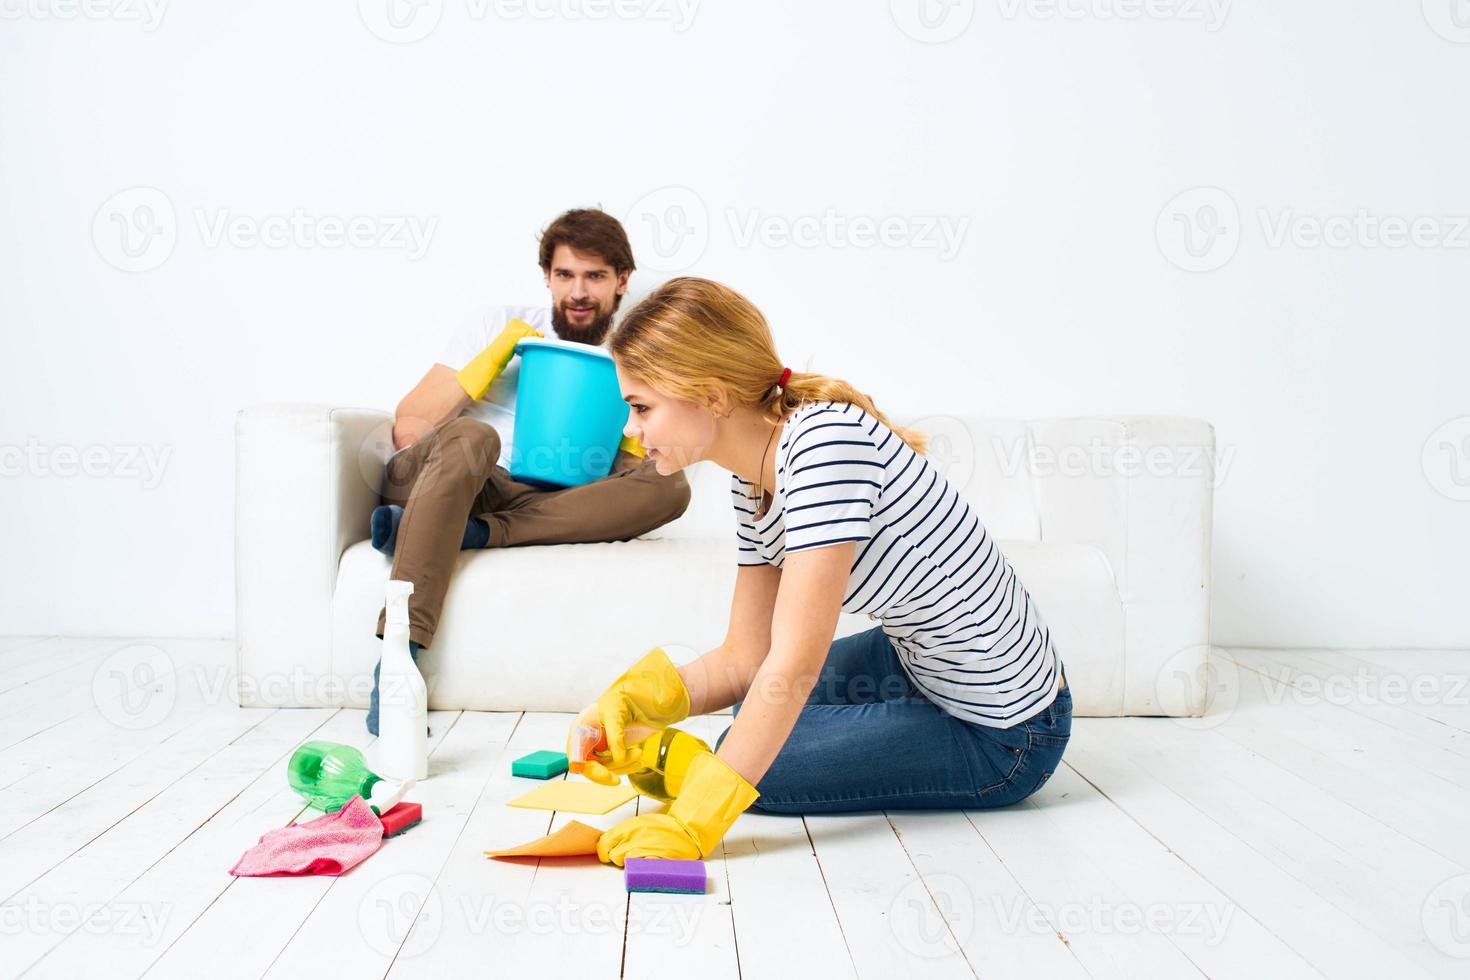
1331	941
1165	894
9	643
772	874
997	926
1364	868
459	919
1432	683
130	931
1292	832
580	906
684	935
1315	672
252	919
1421	805
1065	879
104	839
29	664
63	831
1329	705
353	904
144	703
16	650
889	919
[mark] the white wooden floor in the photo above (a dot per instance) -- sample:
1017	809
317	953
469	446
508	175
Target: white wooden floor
1316	823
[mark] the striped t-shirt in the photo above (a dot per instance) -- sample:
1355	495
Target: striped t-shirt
964	627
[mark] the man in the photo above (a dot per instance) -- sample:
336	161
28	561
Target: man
446	487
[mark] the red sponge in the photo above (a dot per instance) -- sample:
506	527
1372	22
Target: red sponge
401	817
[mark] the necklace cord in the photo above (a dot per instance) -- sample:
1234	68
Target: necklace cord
760	487
760	496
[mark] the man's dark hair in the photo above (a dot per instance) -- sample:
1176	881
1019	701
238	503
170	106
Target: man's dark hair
588	230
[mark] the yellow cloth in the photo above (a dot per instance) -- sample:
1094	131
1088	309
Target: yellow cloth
475	377
649	697
629	444
713	796
575	796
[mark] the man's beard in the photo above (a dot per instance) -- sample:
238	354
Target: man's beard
592	334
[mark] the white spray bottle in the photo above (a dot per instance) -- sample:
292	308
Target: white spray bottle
403	698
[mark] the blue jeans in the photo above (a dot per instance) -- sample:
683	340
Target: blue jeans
868	739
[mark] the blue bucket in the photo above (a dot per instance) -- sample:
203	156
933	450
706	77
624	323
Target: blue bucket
569	414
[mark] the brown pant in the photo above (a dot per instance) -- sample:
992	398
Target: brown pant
450	474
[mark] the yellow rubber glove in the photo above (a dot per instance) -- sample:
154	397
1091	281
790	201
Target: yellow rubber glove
714	795
632	445
649	697
475	377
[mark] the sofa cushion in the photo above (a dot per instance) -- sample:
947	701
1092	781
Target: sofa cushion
547	627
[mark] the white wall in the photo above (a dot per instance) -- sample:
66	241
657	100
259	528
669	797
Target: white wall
1055	136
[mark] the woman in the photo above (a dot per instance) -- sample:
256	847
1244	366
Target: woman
956	699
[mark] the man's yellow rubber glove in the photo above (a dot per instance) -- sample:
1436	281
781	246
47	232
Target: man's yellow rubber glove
631	445
712	797
649	697
475	377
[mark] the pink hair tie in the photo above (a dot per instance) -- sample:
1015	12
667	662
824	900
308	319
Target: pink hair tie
785	377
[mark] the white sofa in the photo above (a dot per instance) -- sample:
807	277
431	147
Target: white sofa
1106	520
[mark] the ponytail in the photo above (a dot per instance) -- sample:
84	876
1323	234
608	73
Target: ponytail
693	338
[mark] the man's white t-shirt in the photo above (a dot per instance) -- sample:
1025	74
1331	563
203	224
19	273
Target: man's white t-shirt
472	334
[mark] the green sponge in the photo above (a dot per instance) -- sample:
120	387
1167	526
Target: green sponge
540	765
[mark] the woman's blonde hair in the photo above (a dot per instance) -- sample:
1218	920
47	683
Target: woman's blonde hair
692	338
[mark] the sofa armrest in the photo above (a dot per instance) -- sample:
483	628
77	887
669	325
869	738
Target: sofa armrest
1141	489
306	480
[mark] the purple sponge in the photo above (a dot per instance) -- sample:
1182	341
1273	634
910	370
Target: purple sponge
663	875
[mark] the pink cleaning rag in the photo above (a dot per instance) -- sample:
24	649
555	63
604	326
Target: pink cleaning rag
328	845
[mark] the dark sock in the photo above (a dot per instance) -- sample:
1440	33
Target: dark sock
372	715
385	523
385	527
476	534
